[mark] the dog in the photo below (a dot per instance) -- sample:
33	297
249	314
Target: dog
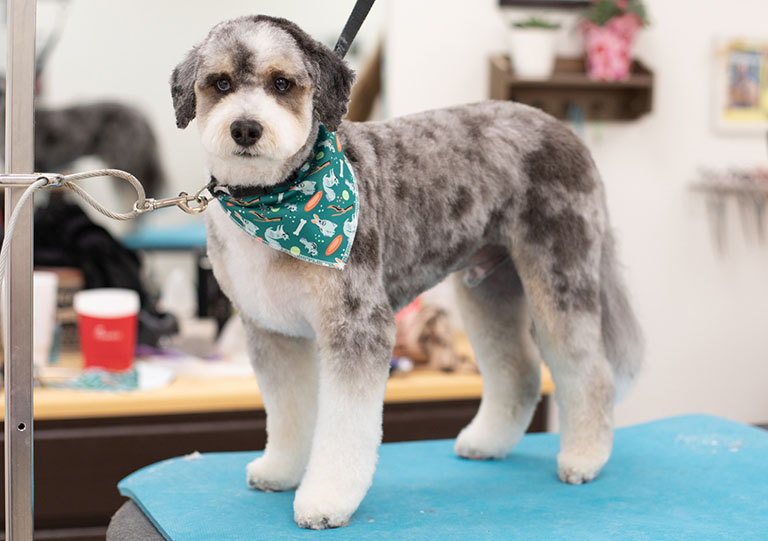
438	192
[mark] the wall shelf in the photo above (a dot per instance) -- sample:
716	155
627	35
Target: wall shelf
570	87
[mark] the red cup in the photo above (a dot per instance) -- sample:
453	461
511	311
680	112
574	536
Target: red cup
108	319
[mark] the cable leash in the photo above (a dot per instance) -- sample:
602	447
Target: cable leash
191	204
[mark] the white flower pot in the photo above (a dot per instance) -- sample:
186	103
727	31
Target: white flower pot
533	52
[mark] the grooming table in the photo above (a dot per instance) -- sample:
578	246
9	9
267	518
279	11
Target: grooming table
691	477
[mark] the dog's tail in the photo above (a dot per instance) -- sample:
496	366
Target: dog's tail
622	336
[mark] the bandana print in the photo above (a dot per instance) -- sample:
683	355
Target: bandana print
313	217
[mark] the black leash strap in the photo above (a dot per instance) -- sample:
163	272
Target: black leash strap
355	21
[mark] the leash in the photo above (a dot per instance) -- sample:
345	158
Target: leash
355	21
191	204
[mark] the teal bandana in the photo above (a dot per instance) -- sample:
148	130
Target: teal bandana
312	217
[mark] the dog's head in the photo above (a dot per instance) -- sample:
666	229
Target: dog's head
259	86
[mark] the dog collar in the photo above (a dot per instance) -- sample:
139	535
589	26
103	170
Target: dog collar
311	216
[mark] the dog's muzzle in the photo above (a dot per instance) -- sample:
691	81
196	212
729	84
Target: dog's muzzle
245	132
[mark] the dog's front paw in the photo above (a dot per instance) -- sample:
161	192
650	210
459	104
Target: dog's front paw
272	475
579	468
320	508
479	443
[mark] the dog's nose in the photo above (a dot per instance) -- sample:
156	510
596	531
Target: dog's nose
245	132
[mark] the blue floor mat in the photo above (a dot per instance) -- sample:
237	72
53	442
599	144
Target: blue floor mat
691	477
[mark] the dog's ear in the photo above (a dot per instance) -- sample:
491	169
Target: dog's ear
330	74
183	89
333	83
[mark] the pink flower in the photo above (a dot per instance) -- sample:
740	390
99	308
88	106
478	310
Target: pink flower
621	4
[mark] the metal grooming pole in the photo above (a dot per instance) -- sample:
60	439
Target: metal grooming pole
17	306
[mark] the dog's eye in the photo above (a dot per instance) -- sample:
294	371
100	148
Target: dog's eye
282	85
223	85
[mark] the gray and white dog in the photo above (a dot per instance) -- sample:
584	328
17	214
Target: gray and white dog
495	184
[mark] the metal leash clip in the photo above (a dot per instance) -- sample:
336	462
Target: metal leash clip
191	204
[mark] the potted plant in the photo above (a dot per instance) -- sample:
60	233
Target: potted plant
610	27
533	48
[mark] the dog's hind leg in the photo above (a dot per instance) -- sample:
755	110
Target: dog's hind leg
562	286
354	347
496	319
286	371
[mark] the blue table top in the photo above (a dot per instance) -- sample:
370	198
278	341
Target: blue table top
188	236
691	477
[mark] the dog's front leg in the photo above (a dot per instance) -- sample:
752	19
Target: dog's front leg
286	371
354	348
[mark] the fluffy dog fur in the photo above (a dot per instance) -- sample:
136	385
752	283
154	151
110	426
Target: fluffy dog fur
439	191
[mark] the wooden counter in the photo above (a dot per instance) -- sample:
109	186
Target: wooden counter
236	394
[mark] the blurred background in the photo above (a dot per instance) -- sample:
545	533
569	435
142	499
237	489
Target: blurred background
671	98
704	312
704	309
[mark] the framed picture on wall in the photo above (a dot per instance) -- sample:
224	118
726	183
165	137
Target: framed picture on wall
741	91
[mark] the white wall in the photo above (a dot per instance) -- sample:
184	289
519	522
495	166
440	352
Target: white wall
705	317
